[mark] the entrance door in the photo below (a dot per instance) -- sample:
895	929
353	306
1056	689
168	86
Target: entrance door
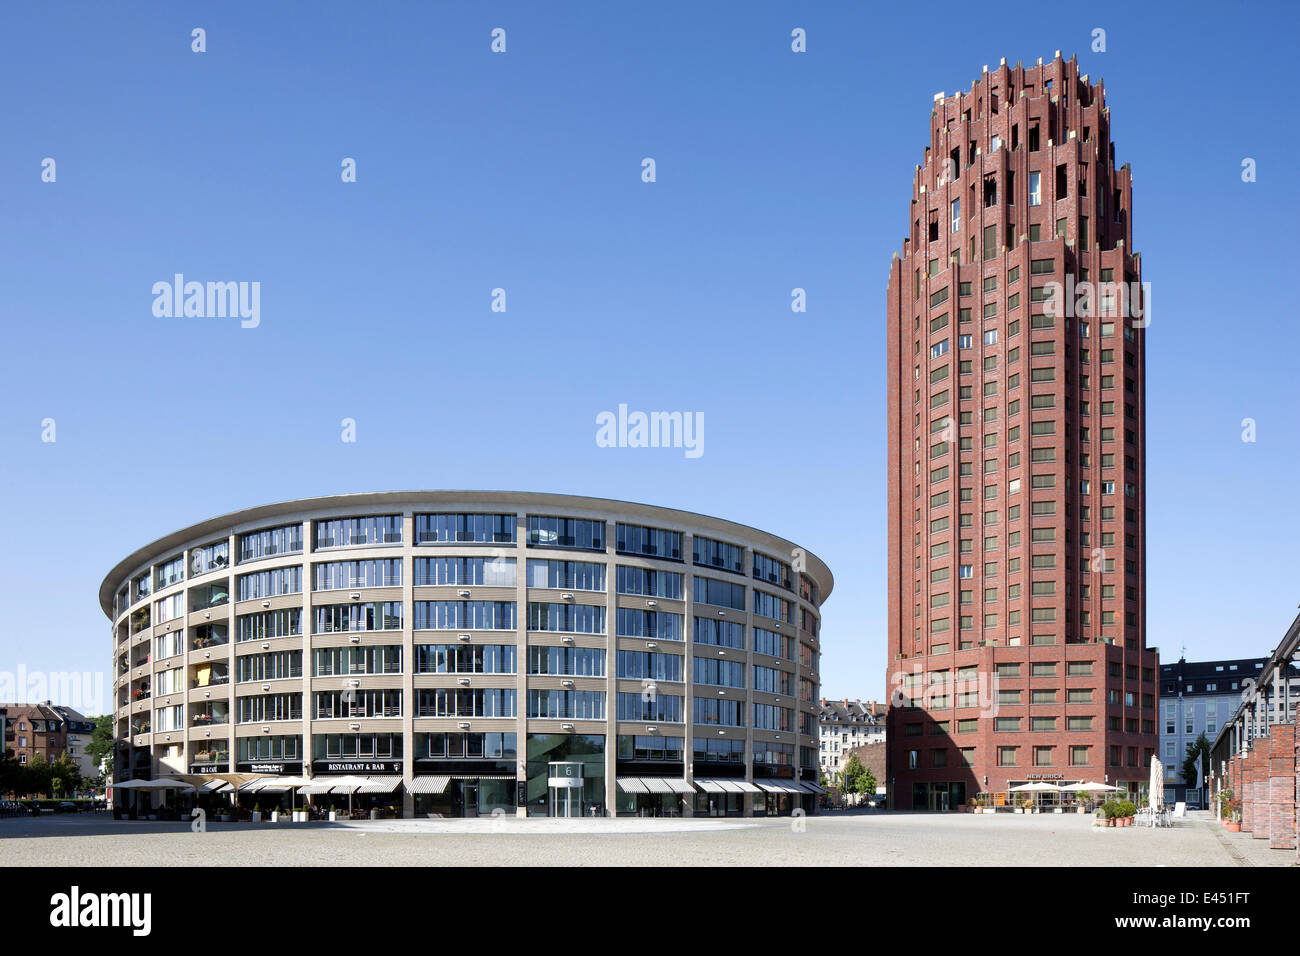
469	794
564	781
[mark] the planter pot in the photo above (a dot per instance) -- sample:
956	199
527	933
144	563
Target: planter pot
1080	810
275	816
1233	827
1110	821
1058	810
333	816
257	816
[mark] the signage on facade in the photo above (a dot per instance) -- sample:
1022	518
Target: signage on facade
357	766
281	768
209	768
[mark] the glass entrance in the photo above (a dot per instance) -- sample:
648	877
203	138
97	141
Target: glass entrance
565	783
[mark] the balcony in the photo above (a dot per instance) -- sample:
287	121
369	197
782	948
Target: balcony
215	680
210	635
209	717
211	756
211	595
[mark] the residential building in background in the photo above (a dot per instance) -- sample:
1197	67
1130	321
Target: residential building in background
78	732
474	651
1199	697
35	729
1017	590
844	725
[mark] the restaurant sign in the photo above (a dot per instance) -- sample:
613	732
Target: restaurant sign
258	767
357	766
1046	776
209	768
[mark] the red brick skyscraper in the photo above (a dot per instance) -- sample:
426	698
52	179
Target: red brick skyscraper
1017	593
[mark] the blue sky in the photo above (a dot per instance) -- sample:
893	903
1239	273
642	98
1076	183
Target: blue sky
521	171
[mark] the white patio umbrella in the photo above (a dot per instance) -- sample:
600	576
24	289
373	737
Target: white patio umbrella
1036	787
1092	787
293	783
1157	789
349	783
164	783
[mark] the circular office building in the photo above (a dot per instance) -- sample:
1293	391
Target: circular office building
458	653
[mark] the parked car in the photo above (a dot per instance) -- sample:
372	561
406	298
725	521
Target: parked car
66	806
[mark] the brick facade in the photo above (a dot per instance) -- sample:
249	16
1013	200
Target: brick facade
1016	454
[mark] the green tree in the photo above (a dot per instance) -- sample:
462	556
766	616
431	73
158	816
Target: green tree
100	747
866	782
36	776
1201	745
65	774
11	773
849	774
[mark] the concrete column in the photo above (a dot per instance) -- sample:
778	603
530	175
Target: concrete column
688	666
611	666
521	653
408	663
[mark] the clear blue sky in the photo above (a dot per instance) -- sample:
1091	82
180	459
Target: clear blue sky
522	171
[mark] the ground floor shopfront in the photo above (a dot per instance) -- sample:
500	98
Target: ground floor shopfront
476	775
951	796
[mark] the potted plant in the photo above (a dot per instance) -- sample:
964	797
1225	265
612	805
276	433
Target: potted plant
257	812
1225	806
1028	804
1234	815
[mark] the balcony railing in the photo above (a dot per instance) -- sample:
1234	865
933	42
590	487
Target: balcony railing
208	720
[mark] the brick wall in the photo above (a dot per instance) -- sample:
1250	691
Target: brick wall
1281	787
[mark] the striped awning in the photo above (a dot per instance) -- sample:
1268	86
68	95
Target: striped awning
631	785
381	785
429	784
709	786
747	787
730	786
313	788
656	784
678	785
779	786
215	786
811	787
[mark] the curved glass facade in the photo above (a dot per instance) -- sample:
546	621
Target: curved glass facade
468	652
